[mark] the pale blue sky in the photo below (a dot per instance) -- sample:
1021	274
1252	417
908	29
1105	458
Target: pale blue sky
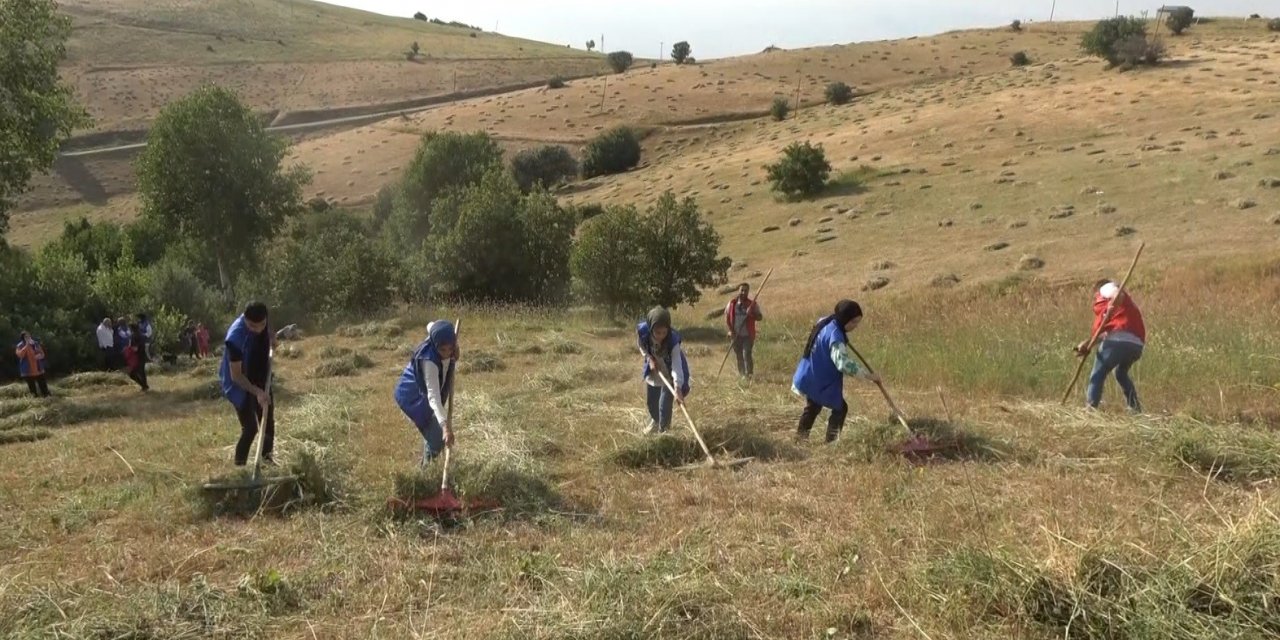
719	28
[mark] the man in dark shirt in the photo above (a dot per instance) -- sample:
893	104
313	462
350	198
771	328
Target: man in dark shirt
245	375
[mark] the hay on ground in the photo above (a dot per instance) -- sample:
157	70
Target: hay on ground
343	366
14	436
92	379
55	412
518	492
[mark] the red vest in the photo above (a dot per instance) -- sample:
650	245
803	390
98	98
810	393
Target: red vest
731	313
1125	316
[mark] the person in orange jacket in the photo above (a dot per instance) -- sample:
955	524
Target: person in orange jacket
31	365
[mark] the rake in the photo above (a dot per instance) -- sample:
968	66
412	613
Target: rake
256	480
711	461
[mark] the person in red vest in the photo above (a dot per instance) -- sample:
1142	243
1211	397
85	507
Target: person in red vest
741	315
1121	339
31	365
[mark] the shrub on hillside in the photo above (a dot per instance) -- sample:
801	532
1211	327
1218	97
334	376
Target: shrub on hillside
839	93
1274	24
801	171
681	51
1180	20
1020	59
613	151
383	204
546	166
624	261
1138	50
414	49
444	162
1103	39
620	61
494	243
780	108
555	82
420	16
1016	25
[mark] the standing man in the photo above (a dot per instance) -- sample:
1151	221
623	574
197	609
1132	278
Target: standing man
31	365
1122	336
148	334
107	344
245	371
741	315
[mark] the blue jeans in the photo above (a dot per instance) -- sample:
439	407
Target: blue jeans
424	419
1120	357
660	403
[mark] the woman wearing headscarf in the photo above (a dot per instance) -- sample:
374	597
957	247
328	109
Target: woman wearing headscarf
663	354
31	364
827	358
426	386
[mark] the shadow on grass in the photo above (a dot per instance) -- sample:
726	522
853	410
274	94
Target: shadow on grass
1228	454
679	449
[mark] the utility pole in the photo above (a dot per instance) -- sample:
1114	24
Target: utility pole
602	49
661	45
1117	8
799	77
1052	9
604	92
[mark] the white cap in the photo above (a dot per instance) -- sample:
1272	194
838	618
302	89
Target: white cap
1109	290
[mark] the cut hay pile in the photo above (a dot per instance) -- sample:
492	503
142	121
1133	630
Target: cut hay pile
53	413
371	330
94	379
677	447
347	365
942	439
517	493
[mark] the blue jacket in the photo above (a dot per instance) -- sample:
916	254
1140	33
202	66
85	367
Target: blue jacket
412	387
24	364
240	335
680	366
817	376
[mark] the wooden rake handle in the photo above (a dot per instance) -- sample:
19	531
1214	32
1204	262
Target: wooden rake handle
675	397
453	391
753	302
893	406
1106	317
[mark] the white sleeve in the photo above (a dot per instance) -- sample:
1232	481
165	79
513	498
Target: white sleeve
431	378
678	364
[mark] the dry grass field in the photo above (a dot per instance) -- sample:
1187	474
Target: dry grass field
984	198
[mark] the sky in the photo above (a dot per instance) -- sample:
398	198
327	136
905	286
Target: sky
718	28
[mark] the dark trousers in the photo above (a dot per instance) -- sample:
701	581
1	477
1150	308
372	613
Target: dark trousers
249	413
108	358
743	349
38	385
192	352
835	422
139	375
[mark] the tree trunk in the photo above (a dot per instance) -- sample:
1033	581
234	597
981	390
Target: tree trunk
222	276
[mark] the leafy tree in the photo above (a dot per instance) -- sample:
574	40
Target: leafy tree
681	52
1016	25
1136	50
37	112
382	206
495	244
97	245
625	261
1180	20
212	174
802	170
780	108
591	45
620	61
546	166
171	284
420	16
414	49
1102	39
613	151
839	93
443	162
608	268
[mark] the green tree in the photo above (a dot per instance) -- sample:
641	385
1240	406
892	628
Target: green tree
625	261
801	171
37	112
546	166
620	61
443	162
212	174
494	244
608	268
591	45
780	108
839	93
611	152
1101	41
683	250
1180	20
681	51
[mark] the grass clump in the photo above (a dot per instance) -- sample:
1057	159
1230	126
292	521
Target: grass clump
949	440
15	436
330	351
1228	454
343	366
59	413
371	330
481	362
94	379
679	448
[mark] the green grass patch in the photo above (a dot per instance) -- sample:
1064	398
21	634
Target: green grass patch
1229	454
348	365
371	330
678	448
94	379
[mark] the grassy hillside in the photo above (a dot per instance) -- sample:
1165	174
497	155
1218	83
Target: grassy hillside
128	58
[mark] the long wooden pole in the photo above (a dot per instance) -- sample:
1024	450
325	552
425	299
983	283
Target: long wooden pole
753	303
897	413
1106	317
453	391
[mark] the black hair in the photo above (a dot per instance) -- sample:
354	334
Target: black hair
255	311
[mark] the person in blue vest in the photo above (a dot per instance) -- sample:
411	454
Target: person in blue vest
662	353
426	386
148	335
245	370
819	378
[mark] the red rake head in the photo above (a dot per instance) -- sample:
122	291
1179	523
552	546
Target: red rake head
442	505
920	448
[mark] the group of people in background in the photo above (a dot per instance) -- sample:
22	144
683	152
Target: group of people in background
127	345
